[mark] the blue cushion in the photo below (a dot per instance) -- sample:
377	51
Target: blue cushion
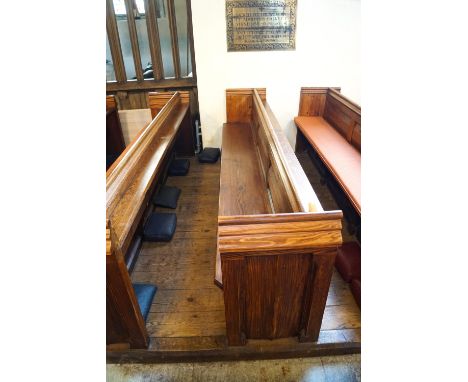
145	294
167	196
160	227
209	155
179	167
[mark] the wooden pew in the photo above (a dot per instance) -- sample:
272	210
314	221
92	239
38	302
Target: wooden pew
130	182
115	142
330	124
276	245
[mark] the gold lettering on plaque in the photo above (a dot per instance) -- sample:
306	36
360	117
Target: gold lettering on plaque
261	25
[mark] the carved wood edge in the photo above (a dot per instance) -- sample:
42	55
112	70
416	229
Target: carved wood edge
277	218
118	177
318	90
248	92
157	100
278	237
345	101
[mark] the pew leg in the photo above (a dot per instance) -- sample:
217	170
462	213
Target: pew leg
233	271
316	294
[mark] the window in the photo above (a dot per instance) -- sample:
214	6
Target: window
148	40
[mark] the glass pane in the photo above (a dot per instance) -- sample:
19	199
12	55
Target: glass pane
110	72
183	40
143	41
165	38
126	45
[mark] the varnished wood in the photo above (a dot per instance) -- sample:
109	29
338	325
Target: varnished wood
182	270
330	110
130	182
153	39
275	275
124	322
242	190
174	38
190	38
130	5
111	102
114	44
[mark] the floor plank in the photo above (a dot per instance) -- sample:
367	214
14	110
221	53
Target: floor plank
187	313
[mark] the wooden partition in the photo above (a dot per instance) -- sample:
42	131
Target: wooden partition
130	182
276	245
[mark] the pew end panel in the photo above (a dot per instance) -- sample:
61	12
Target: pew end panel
125	326
276	245
276	272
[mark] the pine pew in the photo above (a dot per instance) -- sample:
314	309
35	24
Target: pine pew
130	182
115	142
329	126
276	245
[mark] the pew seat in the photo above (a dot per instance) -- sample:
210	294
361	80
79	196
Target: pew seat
331	124
241	191
341	158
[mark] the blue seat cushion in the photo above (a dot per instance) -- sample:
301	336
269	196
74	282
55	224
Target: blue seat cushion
179	167
167	196
160	227
145	294
209	155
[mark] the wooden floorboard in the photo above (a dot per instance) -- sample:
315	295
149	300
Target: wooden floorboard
186	319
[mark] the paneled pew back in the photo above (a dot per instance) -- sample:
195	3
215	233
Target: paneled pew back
276	245
130	182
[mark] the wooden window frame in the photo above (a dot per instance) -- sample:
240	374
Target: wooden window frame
122	83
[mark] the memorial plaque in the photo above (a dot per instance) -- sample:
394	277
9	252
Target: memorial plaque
261	25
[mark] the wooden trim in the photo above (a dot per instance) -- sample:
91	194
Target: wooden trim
157	100
129	6
318	90
151	85
153	39
114	43
190	31
236	353
279	218
345	101
119	173
174	38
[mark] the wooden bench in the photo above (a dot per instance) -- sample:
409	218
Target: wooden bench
276	245
330	124
130	182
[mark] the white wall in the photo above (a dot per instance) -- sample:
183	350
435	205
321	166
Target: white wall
327	54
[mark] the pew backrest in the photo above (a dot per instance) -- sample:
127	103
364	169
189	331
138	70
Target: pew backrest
340	112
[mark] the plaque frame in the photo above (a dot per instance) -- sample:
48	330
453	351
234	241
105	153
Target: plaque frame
232	46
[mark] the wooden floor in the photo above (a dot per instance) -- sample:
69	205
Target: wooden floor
187	313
